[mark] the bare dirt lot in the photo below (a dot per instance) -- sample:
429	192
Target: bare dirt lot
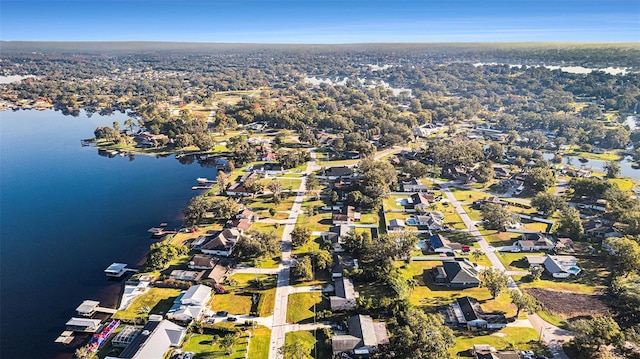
570	305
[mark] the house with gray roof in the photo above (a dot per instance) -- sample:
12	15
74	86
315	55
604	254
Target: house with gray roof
346	294
456	274
363	339
154	340
467	312
556	266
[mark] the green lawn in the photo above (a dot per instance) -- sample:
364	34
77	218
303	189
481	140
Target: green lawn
516	261
428	294
201	344
468	196
259	345
158	300
238	300
300	307
520	338
391	202
275	228
308	339
320	222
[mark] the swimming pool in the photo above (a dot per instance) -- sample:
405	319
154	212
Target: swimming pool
411	221
574	270
422	244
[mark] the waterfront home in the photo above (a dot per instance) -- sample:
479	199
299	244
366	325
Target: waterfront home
125	336
202	261
238	190
459	274
269	169
467	312
222	244
191	305
363	339
186	275
154	340
556	266
346	295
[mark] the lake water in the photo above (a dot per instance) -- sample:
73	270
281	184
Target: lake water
626	169
66	214
569	69
337	81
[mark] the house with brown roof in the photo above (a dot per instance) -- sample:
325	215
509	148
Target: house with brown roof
535	242
348	215
242	224
202	261
222	244
238	190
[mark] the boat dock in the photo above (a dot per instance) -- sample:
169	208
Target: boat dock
201	187
66	337
89	307
117	270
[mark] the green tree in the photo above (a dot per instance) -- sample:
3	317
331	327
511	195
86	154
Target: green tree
476	254
484	173
495	216
421	336
313	185
596	332
536	272
540	179
275	187
223	181
295	350
524	301
300	236
415	169
228	342
224	209
569	224
302	269
547	203
628	252
161	253
116	127
196	210
324	260
613	169
494	280
83	353
495	152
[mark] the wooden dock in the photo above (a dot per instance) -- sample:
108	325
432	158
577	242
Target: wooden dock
66	337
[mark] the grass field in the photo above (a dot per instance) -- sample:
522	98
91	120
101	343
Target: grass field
158	300
238	300
309	340
300	307
521	338
259	345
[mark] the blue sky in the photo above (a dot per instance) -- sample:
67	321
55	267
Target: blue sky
321	21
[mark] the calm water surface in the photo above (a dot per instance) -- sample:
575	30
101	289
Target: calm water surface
65	215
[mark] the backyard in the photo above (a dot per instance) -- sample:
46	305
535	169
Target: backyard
239	299
154	301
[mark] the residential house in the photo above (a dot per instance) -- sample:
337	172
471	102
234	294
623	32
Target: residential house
432	220
266	157
335	235
246	213
363	339
241	225
154	340
396	225
238	190
501	172
346	295
441	244
191	304
342	262
467	312
251	176
186	275
485	351
456	173
556	266
531	242
456	274
420	202
490	200
348	215
334	173
413	185
198	242
216	275
202	261
596	228
222	244
269	169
